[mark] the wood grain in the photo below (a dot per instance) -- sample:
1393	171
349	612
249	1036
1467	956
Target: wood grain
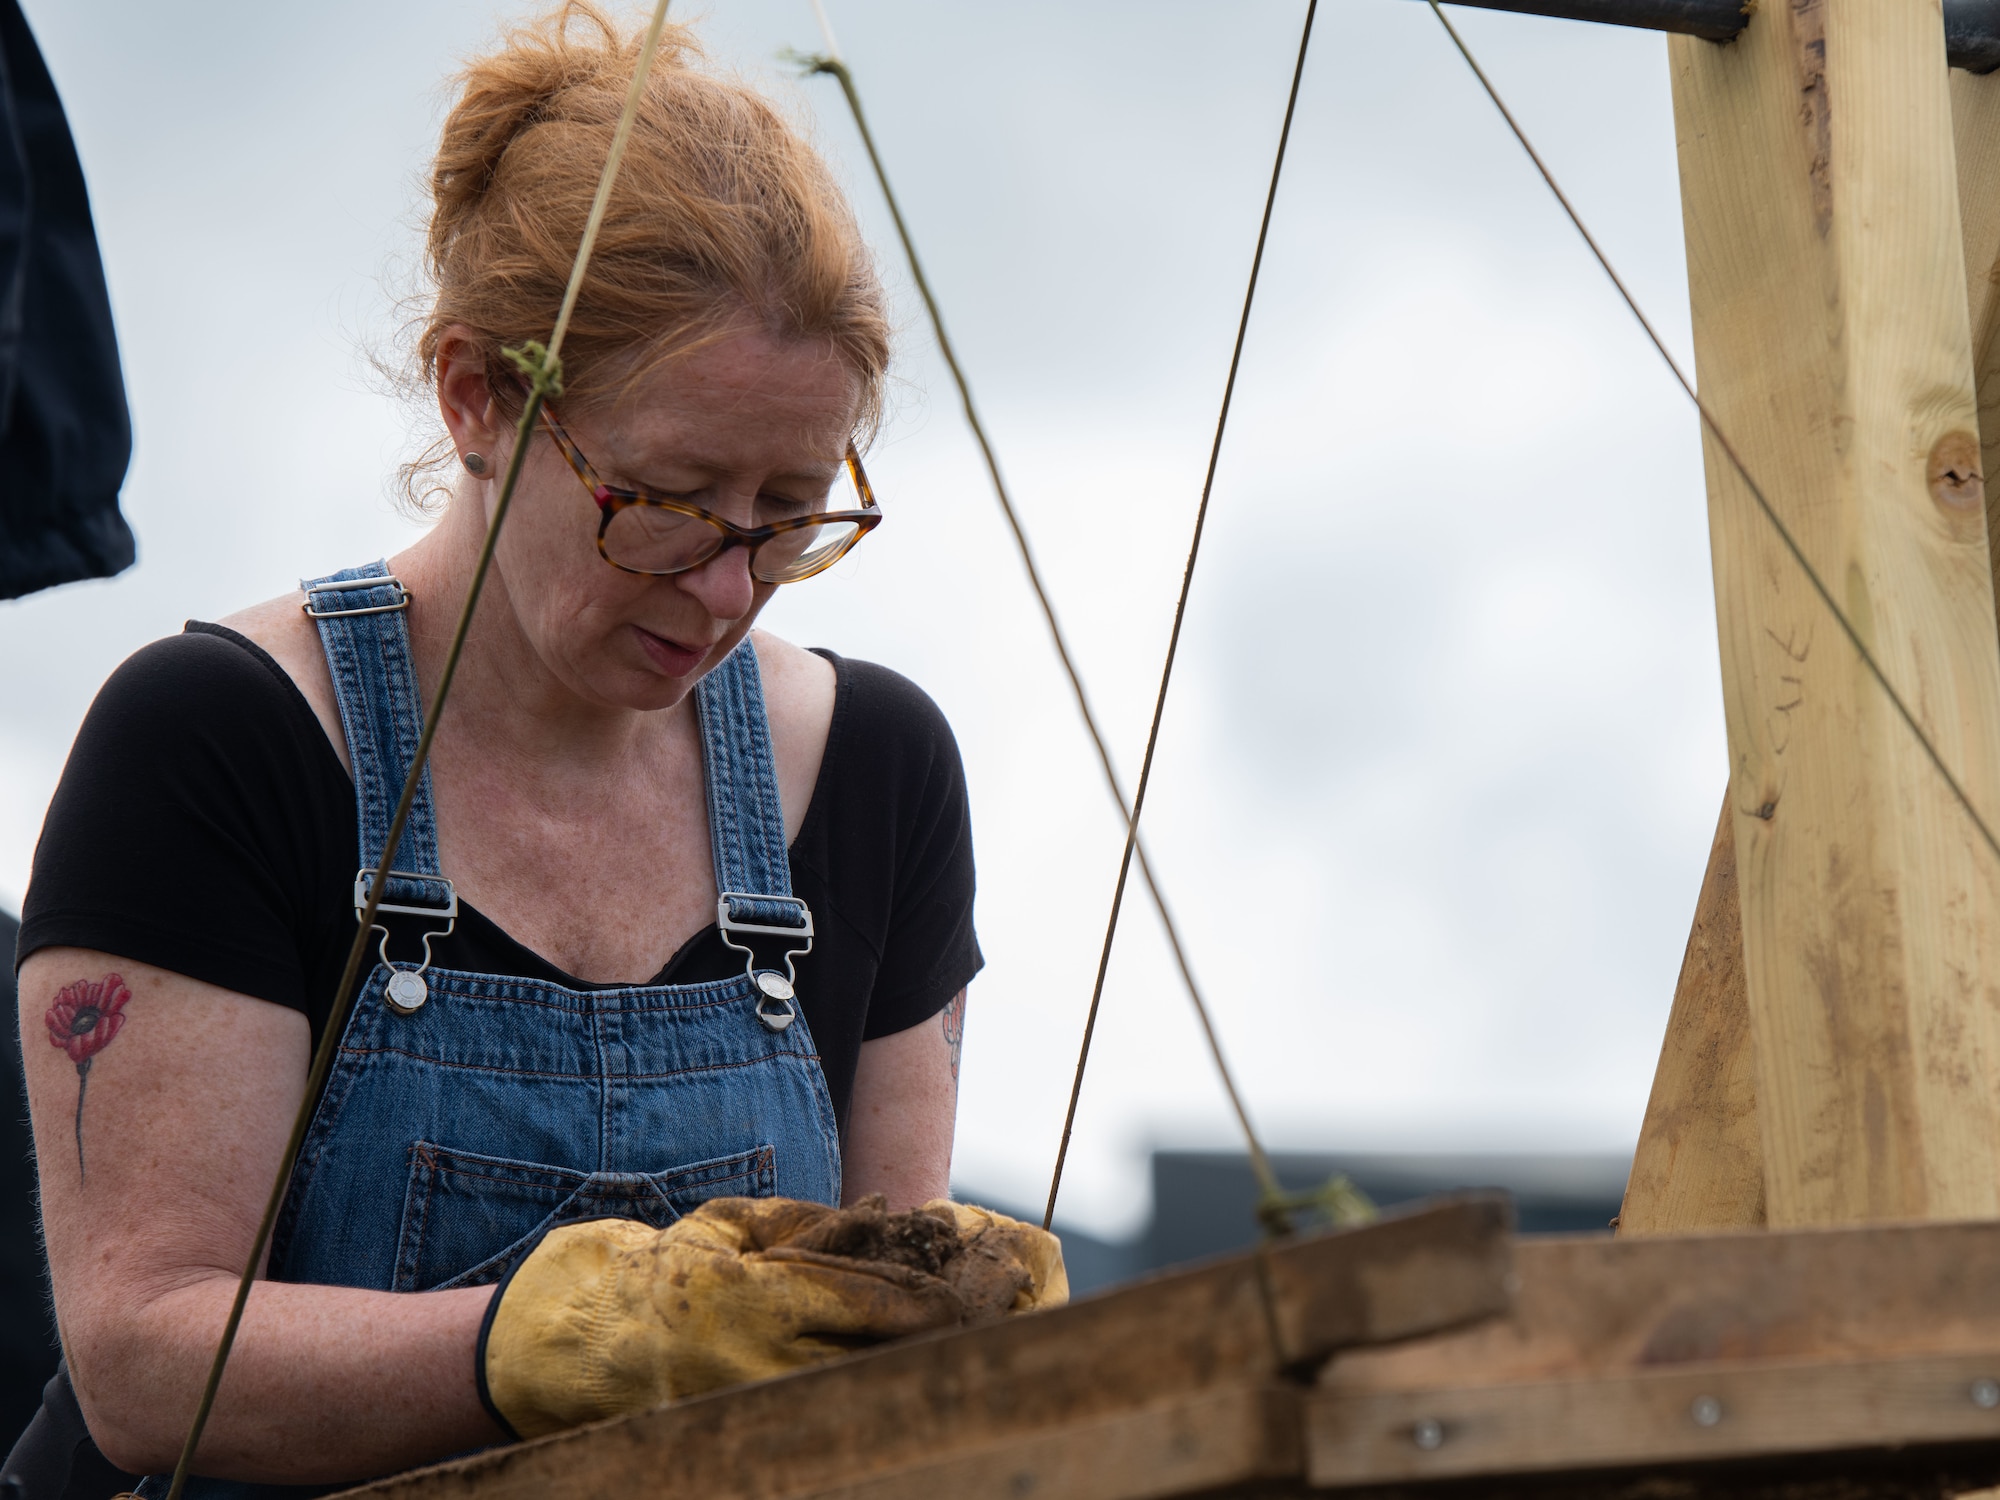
1651	1416
1234	1436
1699	1164
1827	276
1975	118
1158	1346
1810	1340
1589	1305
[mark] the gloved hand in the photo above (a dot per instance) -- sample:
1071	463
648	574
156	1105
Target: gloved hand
612	1316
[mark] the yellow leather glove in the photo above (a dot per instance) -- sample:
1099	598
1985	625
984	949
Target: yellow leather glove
613	1316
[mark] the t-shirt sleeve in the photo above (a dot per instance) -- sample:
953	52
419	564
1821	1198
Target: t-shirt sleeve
929	950
185	828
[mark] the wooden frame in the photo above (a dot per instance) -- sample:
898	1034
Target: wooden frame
1189	1379
1599	1359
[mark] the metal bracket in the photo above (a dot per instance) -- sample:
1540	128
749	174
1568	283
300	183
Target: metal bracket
776	999
349	585
407	989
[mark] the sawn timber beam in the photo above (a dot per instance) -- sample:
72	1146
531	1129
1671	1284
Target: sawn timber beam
1971	27
1188	1381
1846	1364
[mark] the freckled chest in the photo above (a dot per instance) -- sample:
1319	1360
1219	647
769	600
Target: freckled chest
604	872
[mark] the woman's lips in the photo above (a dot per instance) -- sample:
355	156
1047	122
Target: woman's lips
672	658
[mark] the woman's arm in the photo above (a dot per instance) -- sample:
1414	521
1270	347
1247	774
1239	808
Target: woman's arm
905	1108
156	1153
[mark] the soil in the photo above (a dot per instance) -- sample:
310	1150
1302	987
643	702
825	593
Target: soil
868	1231
985	1279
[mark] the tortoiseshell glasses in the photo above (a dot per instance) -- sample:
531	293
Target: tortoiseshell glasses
642	531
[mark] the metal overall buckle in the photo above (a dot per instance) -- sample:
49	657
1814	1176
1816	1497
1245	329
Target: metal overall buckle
777	1005
349	585
407	989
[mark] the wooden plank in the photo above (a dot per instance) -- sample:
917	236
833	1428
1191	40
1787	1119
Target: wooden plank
1975	115
1826	271
1172	1339
1589	1305
1609	1342
1237	1435
1699	1163
1764	1408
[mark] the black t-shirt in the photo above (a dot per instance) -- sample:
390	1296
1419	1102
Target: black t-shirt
205	825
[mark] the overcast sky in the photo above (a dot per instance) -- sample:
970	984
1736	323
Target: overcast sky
1445	748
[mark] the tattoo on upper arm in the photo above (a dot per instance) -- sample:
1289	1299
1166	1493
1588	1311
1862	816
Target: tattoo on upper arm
954	1030
85	1018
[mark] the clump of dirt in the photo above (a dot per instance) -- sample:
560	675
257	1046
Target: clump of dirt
985	1280
868	1231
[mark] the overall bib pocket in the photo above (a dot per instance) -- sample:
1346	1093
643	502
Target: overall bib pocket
468	1219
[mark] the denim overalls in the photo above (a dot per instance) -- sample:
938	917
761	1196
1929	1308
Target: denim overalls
468	1114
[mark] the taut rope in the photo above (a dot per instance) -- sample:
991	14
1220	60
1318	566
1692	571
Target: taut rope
1339	1198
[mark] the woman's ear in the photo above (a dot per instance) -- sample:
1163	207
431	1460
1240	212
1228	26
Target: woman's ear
465	399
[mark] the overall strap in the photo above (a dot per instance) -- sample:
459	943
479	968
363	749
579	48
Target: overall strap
746	822
361	622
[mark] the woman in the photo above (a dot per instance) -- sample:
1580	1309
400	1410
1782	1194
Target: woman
555	1029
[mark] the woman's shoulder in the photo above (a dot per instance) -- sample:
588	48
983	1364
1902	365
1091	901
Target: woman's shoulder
891	759
282	631
881	711
205	668
209	687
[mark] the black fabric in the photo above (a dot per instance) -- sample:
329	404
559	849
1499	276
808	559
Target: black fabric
55	1458
201	767
27	1335
65	435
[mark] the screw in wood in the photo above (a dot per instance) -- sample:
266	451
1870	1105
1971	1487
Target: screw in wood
1706	1411
1428	1435
1985	1393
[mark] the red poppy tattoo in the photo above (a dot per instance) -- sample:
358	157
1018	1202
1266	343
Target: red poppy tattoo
83	1021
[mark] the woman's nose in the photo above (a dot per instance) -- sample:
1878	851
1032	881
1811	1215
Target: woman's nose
722	585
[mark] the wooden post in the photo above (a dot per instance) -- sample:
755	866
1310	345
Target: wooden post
1833	344
1699	1164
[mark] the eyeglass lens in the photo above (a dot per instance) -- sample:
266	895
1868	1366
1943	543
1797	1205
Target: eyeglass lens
652	539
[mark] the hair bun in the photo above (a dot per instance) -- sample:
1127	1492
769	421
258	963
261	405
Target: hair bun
508	91
721	211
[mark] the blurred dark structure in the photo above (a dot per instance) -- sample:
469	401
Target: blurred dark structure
1204	1202
65	434
27	1336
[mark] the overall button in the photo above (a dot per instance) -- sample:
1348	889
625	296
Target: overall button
774	1001
406	992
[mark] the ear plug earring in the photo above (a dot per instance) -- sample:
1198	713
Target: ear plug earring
475	463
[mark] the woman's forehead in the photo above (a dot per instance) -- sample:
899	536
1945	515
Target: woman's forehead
744	400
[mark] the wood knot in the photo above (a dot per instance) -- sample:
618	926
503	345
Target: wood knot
1954	473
